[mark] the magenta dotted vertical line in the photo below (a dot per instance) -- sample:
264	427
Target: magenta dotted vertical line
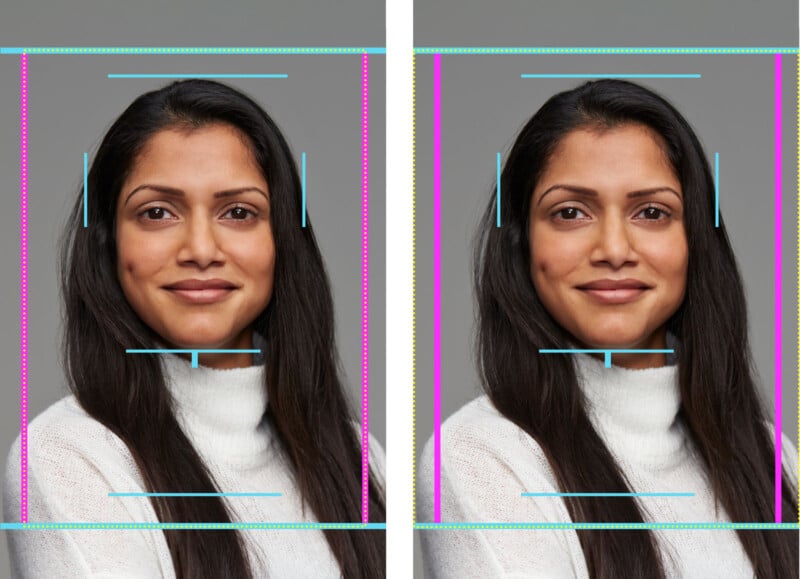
364	288
437	286
778	281
23	285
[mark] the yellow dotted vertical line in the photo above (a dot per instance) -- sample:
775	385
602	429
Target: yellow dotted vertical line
413	288
797	112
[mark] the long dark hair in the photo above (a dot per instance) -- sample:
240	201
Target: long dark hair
127	394
541	393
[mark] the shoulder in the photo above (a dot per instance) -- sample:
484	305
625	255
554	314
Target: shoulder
377	460
481	448
788	457
65	426
479	430
376	454
67	451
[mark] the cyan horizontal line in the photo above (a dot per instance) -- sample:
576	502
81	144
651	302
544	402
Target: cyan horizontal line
169	351
612	351
198	76
606	50
194	494
636	75
178	526
193	50
611	526
607	494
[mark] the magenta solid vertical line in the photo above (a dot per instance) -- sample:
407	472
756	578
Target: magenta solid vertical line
364	288
23	285
778	282
437	286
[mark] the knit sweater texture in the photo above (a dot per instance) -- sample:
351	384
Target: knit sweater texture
74	462
487	462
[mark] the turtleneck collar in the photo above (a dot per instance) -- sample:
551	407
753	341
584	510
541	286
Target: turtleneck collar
221	411
635	411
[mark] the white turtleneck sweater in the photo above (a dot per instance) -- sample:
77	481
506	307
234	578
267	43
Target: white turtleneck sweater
74	462
487	462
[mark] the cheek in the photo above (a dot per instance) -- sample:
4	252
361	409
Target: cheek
259	265
552	260
672	257
138	258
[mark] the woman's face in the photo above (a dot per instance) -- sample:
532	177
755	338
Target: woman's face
607	241
195	249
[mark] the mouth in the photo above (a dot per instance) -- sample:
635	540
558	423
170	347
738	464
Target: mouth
197	291
608	291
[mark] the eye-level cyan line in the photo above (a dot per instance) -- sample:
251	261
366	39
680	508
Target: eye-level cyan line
303	186
499	170
85	190
716	189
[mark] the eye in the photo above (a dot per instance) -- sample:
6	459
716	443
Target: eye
569	214
654	214
240	214
156	214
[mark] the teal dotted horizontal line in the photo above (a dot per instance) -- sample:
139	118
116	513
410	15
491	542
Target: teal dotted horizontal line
620	526
608	50
192	50
188	526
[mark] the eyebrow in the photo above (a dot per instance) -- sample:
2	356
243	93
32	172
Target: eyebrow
180	193
592	193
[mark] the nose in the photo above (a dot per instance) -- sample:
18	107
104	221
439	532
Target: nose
614	243
200	245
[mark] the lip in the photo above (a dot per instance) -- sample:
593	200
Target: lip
201	291
615	291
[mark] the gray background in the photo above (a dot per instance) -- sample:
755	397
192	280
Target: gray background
72	103
606	23
9	259
193	23
485	103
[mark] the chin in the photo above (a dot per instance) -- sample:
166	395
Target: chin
616	338
201	338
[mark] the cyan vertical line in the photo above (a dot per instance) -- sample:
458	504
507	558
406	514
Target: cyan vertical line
303	163
85	190
716	189
498	189
608	359
195	363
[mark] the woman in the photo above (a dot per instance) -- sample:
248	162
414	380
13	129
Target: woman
607	241
194	241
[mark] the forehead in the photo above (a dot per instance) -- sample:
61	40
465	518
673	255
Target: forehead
624	156
180	148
